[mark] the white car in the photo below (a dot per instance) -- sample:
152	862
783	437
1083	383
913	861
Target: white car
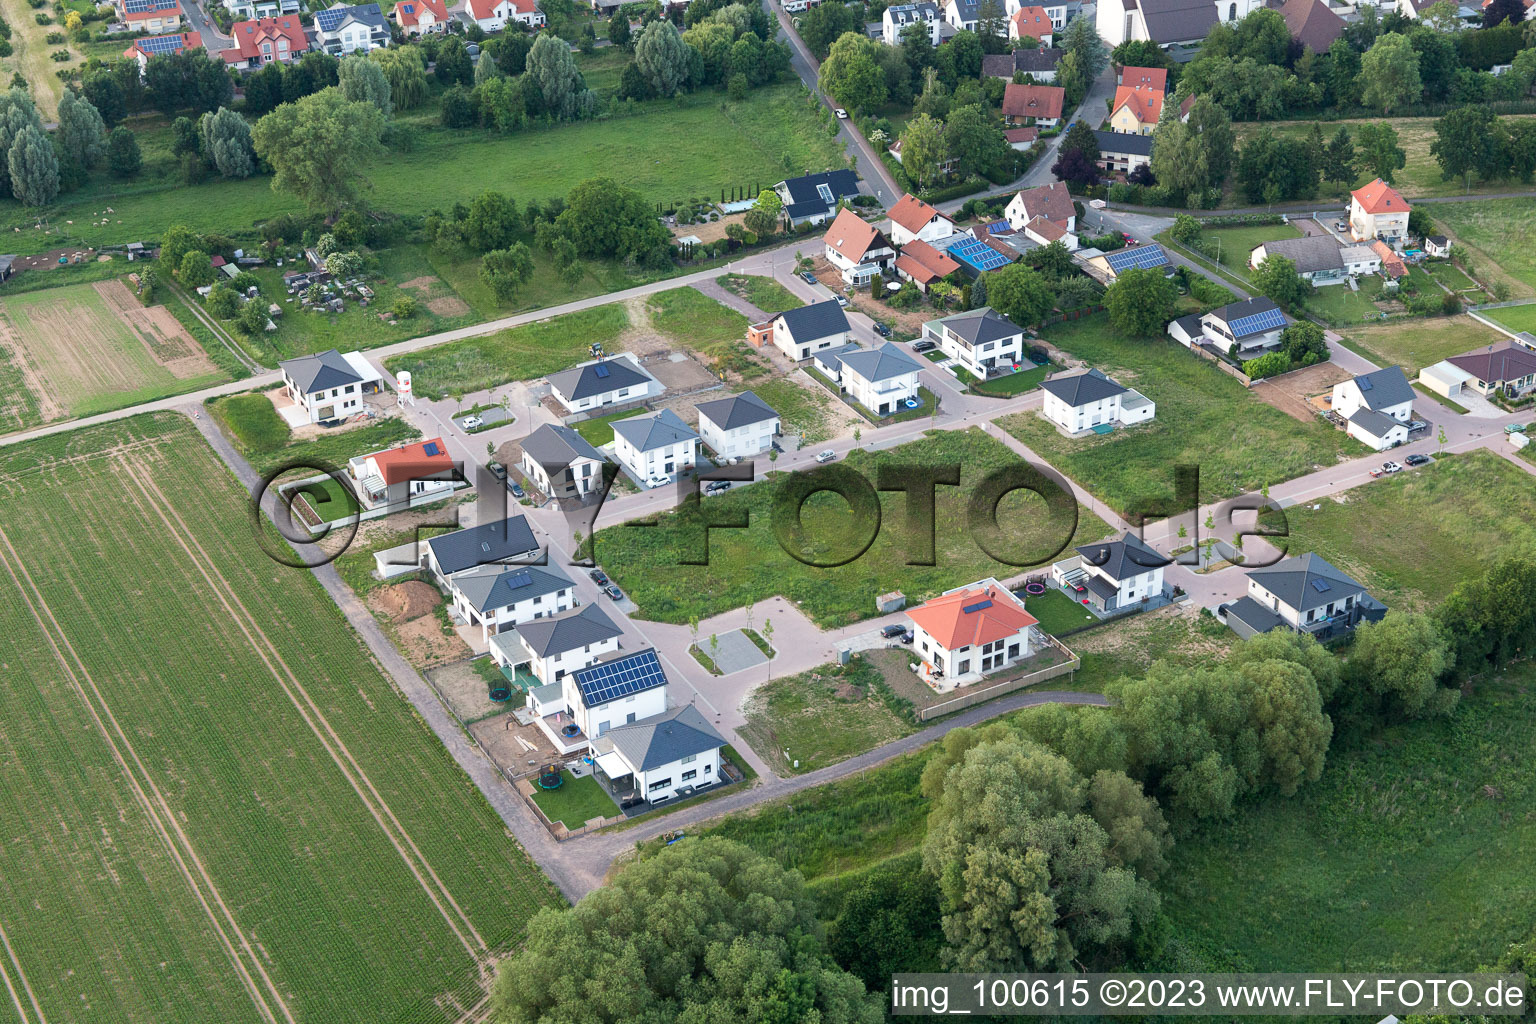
1391	467
1097	204
826	456
842	115
657	481
471	423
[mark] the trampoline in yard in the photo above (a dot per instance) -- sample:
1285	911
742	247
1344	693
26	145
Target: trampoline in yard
1034	588
500	693
549	777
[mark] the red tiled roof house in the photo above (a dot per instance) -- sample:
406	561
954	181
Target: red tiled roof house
970	631
260	42
1033	104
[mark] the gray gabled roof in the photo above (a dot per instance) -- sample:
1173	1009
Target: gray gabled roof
736	411
1384	388
818	320
332	19
647	433
881	363
1082	388
1129	143
554	446
662	739
320	372
1306	581
1377	424
1178	21
482	545
1125	556
832	358
597	378
547	637
1310	253
1254	615
1235	311
502	586
982	325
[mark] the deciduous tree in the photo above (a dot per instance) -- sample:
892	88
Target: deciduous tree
319	147
34	168
663	57
1389	74
506	270
1141	301
363	81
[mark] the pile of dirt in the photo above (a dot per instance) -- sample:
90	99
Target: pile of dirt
403	602
848	692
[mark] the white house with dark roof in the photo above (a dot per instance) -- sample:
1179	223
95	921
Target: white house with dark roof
1306	594
1376	407
740	426
663	756
327	385
1245	329
612	380
553	648
343	29
1167	22
1123	152
498	597
799	333
880	379
608	692
501	541
898	17
1039	63
562	463
655	447
1089	400
1113	575
812	198
1318	258
981	340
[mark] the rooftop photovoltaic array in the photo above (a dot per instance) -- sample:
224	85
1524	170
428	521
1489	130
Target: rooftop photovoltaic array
156	45
978	606
1139	258
1321	586
620	677
600	370
1256	322
521	578
148	6
978	254
431	448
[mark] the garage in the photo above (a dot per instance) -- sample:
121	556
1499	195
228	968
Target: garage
1444	378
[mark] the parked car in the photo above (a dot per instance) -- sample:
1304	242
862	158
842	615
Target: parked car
497	470
826	456
1391	467
842	115
516	489
1417	460
777	447
892	631
471	422
1415	426
907	636
1514	428
1341	225
717	486
657	481
1097	204
882	330
614	592
599	577
842	300
924	346
808	277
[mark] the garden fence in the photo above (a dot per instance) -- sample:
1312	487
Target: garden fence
1008	686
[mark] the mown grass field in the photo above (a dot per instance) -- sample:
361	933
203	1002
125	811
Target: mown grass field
763	292
1516	318
750	564
1498	233
1237	244
800	410
711	329
1204	418
213	800
519	353
1415	344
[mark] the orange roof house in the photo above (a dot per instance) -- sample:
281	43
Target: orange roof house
971	630
853	238
260	42
1379	197
1032	22
1378	210
413	461
913	218
1136	109
1040	103
923	265
1144	78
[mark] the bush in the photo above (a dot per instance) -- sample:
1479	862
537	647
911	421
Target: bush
42	19
54	38
1270	365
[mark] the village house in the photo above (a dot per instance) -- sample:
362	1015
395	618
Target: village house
1136	109
970	631
1122	153
1376	407
403	477
898	17
550	650
812	198
1392	265
1506	367
418	17
501	541
561	463
1052	202
667	755
1031	22
738	427
1061	12
857	249
880	379
152	16
1312	23
499	597
655	448
1089	400
1437	246
981	341
327	386
1113	576
1167	23
260	42
1106	267
495	15
1039	105
1378	211
911	218
1304	593
799	333
1038	63
1318	258
1251	328
341	30
158	46
615	380
924	265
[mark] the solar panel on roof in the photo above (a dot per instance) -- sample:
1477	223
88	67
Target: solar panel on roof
618	678
520	579
978	606
157	45
431	448
978	254
1136	259
1256	322
1321	586
600	370
1366	383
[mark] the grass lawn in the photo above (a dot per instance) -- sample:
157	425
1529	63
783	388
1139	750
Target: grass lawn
1398	858
714	331
267	448
1238	243
576	802
1057	612
1448	274
252	420
247	740
763	292
599	429
1204	418
820	717
520	353
1498	233
1516	318
746	565
1014	383
1415	344
1411	537
329	500
711	144
801	410
1342	307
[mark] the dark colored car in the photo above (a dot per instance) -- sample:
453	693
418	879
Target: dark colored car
892	631
1417	460
516	488
906	637
716	486
809	277
924	346
614	592
599	577
882	330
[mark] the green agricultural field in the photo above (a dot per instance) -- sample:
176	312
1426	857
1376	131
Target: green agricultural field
89	348
763	292
1497	232
1415	344
710	145
1411	537
1204	418
519	353
216	806
750	564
